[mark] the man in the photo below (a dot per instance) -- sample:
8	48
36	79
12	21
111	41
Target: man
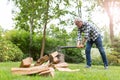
91	35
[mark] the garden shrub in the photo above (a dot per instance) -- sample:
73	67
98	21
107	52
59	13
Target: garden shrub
115	45
113	58
9	51
20	38
97	61
73	55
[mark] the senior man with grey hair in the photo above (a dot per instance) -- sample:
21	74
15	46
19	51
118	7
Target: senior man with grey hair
91	35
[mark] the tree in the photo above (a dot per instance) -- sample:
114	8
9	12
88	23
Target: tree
35	15
27	16
108	5
44	32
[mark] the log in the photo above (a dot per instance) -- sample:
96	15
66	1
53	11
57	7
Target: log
56	57
55	60
54	54
61	65
53	57
31	70
49	72
26	62
42	60
61	57
67	69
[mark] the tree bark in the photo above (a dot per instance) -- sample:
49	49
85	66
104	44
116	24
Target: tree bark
44	32
107	5
31	31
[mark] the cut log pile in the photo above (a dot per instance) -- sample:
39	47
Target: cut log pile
44	66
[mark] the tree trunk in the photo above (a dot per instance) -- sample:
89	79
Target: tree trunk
107	5
44	32
43	41
31	31
111	29
79	8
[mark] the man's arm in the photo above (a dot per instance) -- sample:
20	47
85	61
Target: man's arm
79	39
80	44
84	40
86	33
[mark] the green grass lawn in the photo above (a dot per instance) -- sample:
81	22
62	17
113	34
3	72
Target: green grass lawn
95	73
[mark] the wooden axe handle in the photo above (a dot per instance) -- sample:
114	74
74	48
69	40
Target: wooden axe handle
63	47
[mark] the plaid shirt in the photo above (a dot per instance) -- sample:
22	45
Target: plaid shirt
90	32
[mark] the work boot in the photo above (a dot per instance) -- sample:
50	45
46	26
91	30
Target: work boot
105	67
87	66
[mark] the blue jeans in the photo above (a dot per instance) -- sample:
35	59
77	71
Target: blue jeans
99	45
